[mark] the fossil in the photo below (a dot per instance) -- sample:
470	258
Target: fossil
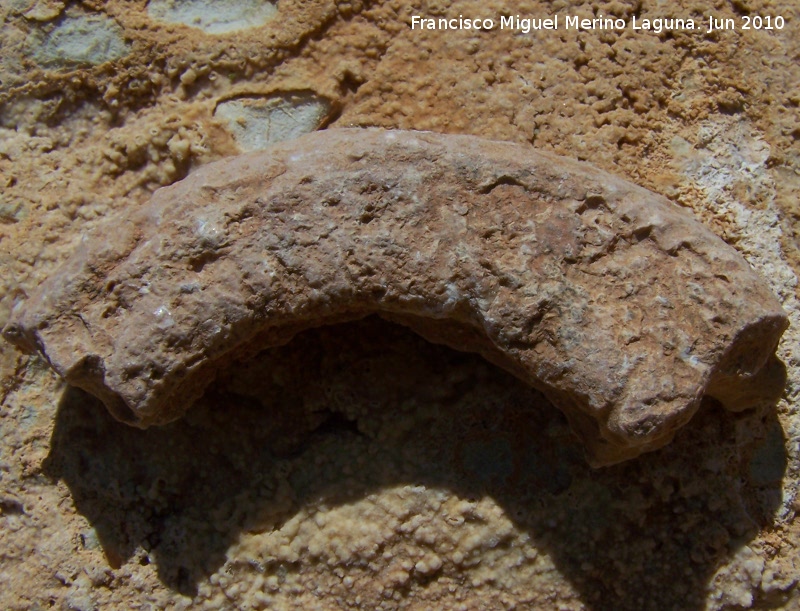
617	304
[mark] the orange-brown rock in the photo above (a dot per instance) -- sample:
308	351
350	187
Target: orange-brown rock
617	304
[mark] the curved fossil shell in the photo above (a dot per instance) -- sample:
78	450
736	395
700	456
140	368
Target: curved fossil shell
614	302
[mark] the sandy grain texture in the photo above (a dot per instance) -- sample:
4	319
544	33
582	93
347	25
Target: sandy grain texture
360	465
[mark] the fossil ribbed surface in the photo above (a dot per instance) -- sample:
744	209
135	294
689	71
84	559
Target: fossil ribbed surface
618	305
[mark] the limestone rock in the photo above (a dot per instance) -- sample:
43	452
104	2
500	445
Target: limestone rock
80	40
617	304
257	122
220	17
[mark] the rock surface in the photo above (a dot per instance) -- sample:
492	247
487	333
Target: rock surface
220	17
257	122
328	468
79	40
615	303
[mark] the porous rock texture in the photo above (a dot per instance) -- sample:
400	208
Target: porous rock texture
617	304
360	466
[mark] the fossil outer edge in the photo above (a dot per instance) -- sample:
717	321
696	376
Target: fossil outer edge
617	304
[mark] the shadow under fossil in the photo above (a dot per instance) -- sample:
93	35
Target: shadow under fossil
342	412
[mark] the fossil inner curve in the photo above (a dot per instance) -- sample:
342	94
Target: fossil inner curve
618	305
